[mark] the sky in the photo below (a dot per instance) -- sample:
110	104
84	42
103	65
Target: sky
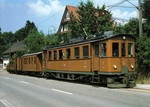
47	14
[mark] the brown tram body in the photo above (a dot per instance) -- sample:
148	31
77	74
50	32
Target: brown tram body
105	60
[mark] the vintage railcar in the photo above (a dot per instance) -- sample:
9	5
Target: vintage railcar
32	63
28	64
104	59
107	59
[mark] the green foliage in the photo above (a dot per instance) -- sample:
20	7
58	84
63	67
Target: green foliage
119	29
105	20
23	32
12	59
53	39
35	41
90	19
146	10
143	55
132	27
21	53
87	18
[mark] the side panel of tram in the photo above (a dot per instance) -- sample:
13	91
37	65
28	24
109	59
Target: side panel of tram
75	59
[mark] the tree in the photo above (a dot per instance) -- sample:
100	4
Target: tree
104	17
90	20
132	27
53	39
23	32
35	41
146	10
143	55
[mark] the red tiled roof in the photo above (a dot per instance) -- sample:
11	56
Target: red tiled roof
73	10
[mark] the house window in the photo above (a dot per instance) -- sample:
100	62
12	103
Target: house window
85	51
60	54
123	49
103	50
67	16
96	50
130	49
50	55
55	55
76	52
115	49
68	54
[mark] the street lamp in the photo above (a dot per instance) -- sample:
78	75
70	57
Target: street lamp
50	27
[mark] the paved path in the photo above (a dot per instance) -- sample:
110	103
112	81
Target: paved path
26	91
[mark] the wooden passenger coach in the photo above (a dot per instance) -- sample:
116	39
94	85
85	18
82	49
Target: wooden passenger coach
104	59
32	62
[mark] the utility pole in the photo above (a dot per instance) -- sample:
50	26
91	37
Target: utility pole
140	19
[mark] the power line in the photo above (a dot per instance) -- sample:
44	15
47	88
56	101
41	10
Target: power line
54	14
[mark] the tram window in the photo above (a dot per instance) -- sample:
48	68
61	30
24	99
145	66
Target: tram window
50	55
43	56
55	55
29	60
123	49
96	50
76	52
130	49
115	49
103	50
85	51
60	54
34	60
25	60
68	54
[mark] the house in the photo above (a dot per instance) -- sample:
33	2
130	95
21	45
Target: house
63	28
17	46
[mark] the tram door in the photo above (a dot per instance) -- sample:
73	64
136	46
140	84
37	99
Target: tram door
96	59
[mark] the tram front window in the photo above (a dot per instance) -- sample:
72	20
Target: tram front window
123	49
130	49
115	49
96	50
103	50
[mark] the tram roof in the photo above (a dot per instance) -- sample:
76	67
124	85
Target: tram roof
84	41
32	54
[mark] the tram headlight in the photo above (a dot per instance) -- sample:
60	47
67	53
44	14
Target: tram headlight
132	66
115	66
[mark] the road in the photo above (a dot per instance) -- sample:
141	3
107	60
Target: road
26	91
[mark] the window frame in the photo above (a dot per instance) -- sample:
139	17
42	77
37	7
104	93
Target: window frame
76	57
68	56
103	50
60	57
55	55
132	51
117	55
85	56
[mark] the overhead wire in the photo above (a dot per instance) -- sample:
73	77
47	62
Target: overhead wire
54	14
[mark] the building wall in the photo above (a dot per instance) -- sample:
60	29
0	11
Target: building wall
5	62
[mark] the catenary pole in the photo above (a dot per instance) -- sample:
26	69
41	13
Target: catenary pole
140	18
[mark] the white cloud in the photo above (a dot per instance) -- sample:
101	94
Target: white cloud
124	14
45	8
113	2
